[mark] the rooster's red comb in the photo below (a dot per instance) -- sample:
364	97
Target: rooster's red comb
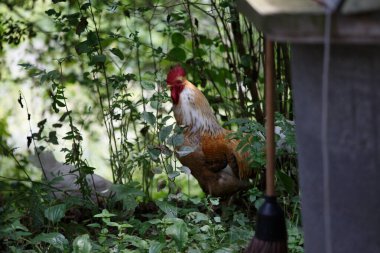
174	73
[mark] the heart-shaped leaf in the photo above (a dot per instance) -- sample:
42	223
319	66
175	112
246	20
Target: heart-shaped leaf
57	240
177	54
55	213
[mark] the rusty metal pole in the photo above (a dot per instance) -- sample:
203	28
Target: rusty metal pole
269	112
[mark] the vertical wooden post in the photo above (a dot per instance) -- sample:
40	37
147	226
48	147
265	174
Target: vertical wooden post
269	112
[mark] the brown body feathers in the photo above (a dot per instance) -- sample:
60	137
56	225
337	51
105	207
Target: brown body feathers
219	168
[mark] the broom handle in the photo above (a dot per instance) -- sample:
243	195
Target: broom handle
269	110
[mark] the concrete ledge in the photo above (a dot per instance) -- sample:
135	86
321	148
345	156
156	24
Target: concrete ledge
302	21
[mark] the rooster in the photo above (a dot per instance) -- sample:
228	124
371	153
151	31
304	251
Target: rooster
219	168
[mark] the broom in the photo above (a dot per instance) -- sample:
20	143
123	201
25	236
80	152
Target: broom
271	235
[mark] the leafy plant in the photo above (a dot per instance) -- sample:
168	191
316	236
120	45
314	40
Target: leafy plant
101	76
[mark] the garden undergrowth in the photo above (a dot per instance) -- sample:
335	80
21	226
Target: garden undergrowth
119	52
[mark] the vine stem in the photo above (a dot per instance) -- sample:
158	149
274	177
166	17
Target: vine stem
31	136
76	155
110	110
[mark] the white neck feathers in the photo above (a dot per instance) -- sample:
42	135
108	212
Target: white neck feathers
194	112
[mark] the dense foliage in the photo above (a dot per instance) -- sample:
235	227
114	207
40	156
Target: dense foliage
101	75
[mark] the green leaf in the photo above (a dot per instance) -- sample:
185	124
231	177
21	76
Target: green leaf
178	39
174	174
148	85
55	213
114	224
154	104
195	200
225	3
85	6
246	61
98	59
200	52
214	201
69	136
72	18
64	115
104	214
149	118
128	194
94	225
178	231
57	125
83	47
177	54
166	118
156	247
156	170
185	170
87	169
176	139
259	203
223	48
169	168
224	250
41	123
81	25
168	209
53	75
198	217
185	150
82	244
118	53
154	152
51	12
25	65
92	38
205	40
33	71
53	137
12	228
57	240
217	219
59	103
137	242
165	132
127	13
158	50
286	181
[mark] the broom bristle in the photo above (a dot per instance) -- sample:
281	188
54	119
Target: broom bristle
260	246
271	235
